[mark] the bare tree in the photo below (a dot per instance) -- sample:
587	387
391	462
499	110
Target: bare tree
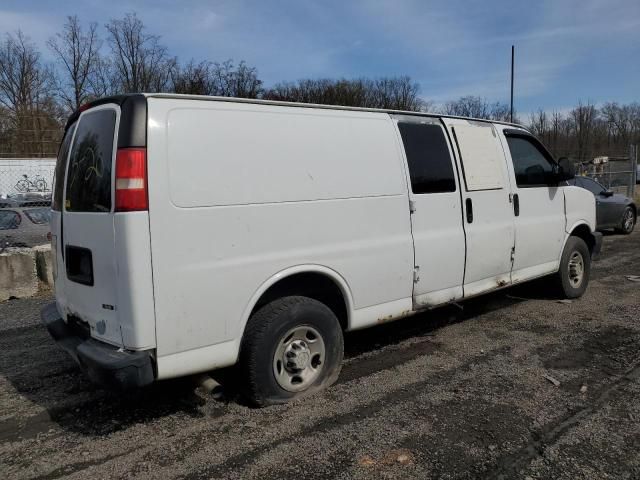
557	121
468	106
25	93
583	118
192	78
77	51
397	93
229	81
478	107
139	62
24	81
222	79
539	125
105	81
623	121
502	112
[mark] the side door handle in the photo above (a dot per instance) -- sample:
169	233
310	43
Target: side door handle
469	208
516	205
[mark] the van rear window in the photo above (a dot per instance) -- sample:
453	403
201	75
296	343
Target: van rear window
89	173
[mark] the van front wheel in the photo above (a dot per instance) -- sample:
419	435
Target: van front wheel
575	268
292	347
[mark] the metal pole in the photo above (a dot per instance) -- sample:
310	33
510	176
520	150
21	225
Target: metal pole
512	65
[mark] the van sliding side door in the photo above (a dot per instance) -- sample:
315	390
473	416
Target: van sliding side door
486	198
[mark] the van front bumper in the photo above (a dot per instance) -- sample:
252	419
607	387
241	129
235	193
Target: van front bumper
103	363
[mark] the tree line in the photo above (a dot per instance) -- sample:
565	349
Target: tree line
123	57
587	131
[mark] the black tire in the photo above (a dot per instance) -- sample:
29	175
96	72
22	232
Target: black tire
265	334
566	285
628	222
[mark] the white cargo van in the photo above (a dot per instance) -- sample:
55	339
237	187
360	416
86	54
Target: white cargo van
193	233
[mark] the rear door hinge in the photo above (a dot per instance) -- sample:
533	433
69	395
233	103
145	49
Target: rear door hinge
416	274
412	206
513	254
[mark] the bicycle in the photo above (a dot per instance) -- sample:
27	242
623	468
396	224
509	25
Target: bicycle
25	185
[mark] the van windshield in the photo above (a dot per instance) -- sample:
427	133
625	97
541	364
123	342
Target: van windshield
89	172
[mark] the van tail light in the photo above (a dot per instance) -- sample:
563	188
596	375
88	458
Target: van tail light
131	180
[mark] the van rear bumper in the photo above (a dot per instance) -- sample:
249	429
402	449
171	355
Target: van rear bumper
103	363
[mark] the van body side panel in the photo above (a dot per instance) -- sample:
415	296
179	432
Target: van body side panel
580	206
134	286
240	192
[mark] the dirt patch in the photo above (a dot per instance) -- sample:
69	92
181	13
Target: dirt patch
603	350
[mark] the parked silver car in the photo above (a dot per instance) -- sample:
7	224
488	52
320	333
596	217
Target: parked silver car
613	210
31	199
24	227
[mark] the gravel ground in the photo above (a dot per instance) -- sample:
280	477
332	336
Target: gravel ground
454	393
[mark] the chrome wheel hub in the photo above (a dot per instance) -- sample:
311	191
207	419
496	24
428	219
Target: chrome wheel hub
299	358
576	269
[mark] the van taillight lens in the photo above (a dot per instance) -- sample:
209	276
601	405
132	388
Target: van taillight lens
131	180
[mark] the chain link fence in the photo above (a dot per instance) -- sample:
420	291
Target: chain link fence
25	201
616	172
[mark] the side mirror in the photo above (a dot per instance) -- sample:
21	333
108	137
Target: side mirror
606	193
566	170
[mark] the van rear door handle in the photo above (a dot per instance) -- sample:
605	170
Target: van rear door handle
469	208
516	205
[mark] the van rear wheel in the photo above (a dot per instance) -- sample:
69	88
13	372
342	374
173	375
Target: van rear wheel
292	347
572	277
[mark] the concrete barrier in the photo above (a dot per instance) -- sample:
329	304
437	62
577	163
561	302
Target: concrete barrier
44	268
23	271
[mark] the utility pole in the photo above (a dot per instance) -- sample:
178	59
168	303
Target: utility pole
512	62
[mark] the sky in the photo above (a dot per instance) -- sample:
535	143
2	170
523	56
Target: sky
566	50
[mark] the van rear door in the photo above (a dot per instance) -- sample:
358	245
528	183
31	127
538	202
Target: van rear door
86	240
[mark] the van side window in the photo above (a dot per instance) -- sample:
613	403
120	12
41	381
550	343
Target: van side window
531	165
430	166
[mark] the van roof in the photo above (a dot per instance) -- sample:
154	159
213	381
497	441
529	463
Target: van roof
119	99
